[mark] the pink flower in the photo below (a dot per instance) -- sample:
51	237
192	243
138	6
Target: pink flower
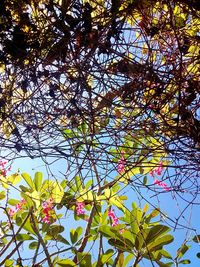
79	208
161	184
158	170
114	218
47	210
11	212
121	163
16	208
20	204
3	168
151	173
46	219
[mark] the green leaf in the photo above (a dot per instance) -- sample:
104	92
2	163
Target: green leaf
9	263
78	183
107	256
75	234
140	239
165	254
28	180
13	202
23	237
123	197
2	195
33	245
28	225
155	232
14	178
28	199
61	239
152	215
184	262
84	259
66	263
18	221
79	230
105	230
127	235
116	201
88	184
144	180
161	264
24	189
155	213
135	218
120	245
57	192
54	230
38	180
160	242
126	177
83	128
107	193
182	250
68	133
121	260
127	259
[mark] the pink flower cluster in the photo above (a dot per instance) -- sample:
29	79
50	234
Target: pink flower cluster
158	170
47	210
16	208
121	163
3	168
161	184
80	208
114	218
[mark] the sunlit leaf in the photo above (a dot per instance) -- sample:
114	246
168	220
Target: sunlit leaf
9	263
121	260
38	180
28	180
57	192
66	263
13	202
107	256
75	234
14	178
2	195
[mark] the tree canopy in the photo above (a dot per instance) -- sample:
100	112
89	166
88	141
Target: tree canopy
113	88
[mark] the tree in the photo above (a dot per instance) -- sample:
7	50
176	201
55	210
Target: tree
35	223
107	85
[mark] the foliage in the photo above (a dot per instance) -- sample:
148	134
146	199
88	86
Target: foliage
137	234
112	88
